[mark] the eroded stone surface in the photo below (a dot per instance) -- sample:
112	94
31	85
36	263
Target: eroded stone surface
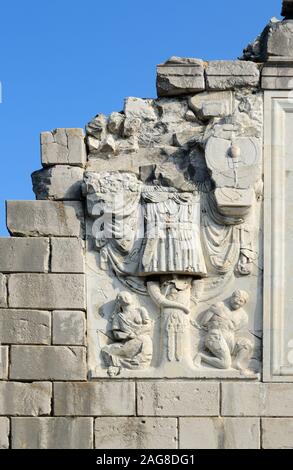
179	77
68	327
47	291
219	433
3	291
178	398
211	105
277	433
48	363
4	358
135	433
19	399
280	40
60	182
67	255
24	255
63	147
25	327
52	433
229	75
94	399
257	399
4	433
42	218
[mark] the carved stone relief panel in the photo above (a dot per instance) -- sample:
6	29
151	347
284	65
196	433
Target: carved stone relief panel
174	241
278	280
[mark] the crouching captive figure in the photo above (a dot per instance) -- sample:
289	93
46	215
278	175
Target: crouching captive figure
223	326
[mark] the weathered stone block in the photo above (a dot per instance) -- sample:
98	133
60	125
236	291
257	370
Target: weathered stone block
3	291
4	433
277	83
136	433
257	399
219	433
24	255
115	123
4	353
188	136
67	255
48	363
52	433
47	291
277	433
280	40
229	75
42	218
25	327
63	147
68	327
178	398
61	182
211	105
139	108
94	399
277	77
30	399
179	76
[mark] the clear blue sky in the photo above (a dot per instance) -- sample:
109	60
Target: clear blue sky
64	61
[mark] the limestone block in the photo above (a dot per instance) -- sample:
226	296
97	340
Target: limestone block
92	144
4	356
47	291
219	433
277	77
67	255
136	433
277	433
277	83
3	291
25	327
178	398
131	126
211	105
24	255
172	111
48	363
68	327
115	123
257	399
63	147
25	399
94	399
180	76
280	40
97	126
187	136
52	433
42	218
60	182
229	75
4	433
139	108
190	116
107	146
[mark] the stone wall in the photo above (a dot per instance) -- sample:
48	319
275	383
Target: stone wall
55	389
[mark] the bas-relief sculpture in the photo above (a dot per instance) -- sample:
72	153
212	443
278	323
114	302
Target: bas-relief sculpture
174	261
